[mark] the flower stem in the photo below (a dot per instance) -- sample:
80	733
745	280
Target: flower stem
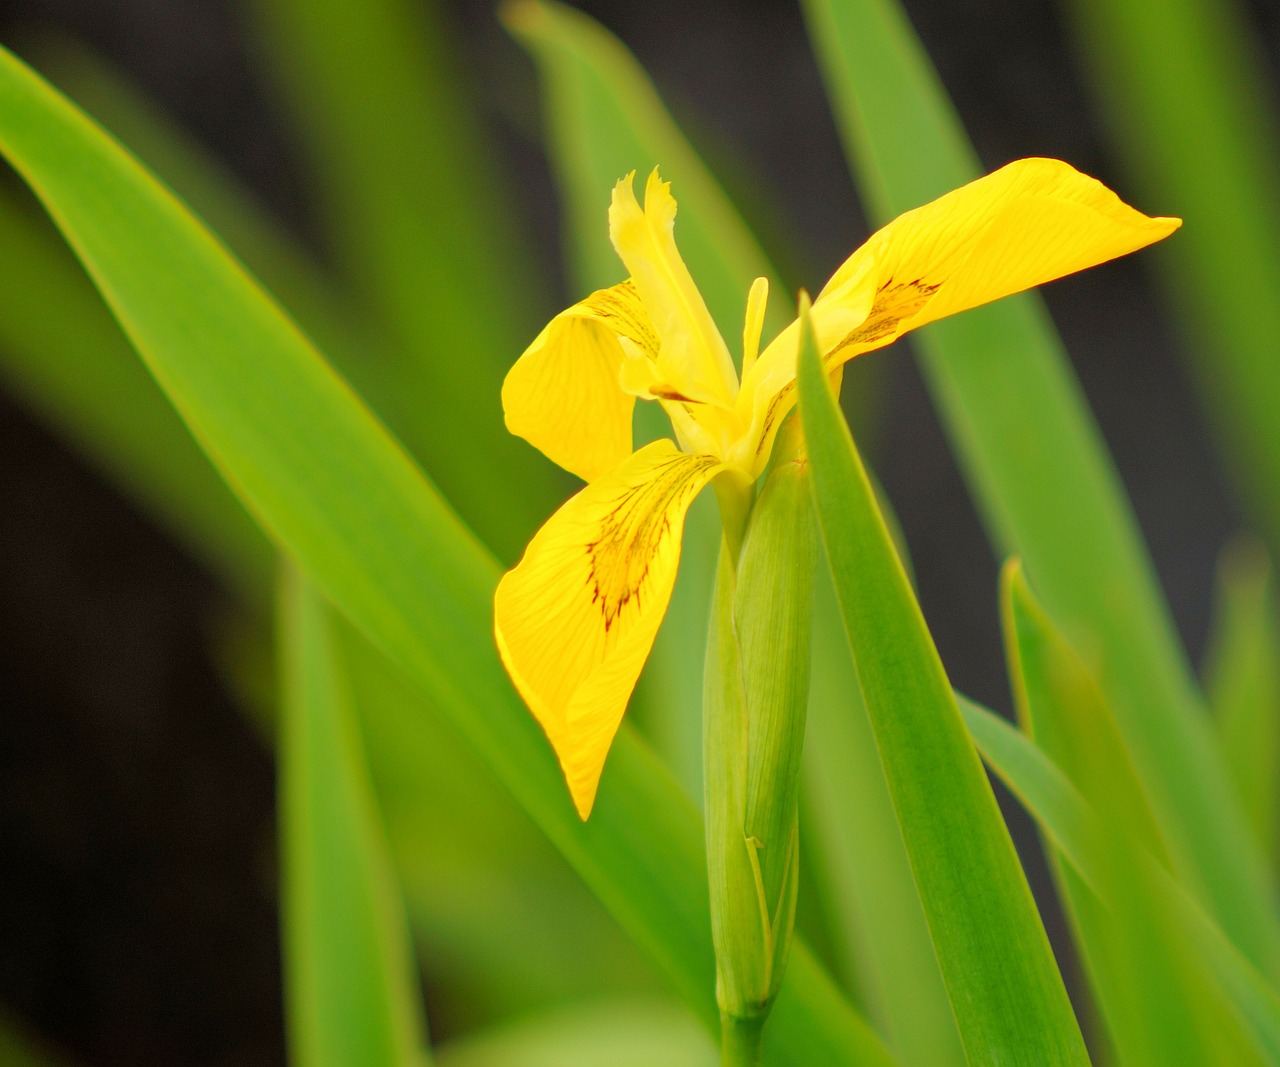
735	494
740	1041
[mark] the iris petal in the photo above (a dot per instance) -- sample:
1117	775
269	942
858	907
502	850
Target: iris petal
576	618
1021	226
563	395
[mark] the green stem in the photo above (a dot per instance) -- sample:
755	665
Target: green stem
735	493
740	1041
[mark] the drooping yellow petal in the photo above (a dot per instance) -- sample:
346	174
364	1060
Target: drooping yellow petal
575	619
1023	225
693	360
563	394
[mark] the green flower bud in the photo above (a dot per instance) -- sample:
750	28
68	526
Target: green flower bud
755	696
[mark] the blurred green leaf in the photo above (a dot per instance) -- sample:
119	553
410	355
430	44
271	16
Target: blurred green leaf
504	943
620	1034
1072	826
1157	996
337	492
855	847
416	211
1243	681
1184	85
352	994
504	923
1039	471
1009	1001
19	1048
64	358
229	208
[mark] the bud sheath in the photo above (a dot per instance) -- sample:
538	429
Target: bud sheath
755	696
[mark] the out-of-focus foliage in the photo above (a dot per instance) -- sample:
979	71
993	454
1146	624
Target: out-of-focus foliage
1161	831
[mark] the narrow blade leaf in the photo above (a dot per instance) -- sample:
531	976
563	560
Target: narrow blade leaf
882	943
351	991
1038	469
422	226
1187	92
1243	681
1008	997
1072	826
1158	998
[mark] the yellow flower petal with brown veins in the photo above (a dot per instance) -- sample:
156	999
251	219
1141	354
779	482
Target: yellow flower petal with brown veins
575	619
562	395
1021	226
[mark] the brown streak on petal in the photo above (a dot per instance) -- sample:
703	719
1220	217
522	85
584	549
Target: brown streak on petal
632	533
893	303
619	308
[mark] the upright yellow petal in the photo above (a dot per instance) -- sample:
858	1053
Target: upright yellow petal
564	396
1023	225
575	619
693	359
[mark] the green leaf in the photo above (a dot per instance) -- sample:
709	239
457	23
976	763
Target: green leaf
336	491
1155	993
20	1048
1243	681
51	320
351	990
494	906
604	120
1005	989
1185	86
620	1034
416	212
1036	465
854	845
1073	827
504	923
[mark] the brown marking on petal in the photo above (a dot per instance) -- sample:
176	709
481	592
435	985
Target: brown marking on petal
633	531
893	303
619	308
666	392
771	413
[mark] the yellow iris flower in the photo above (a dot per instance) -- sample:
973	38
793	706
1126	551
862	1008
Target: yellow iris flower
576	618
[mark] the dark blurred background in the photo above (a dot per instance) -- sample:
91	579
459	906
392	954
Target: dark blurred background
137	916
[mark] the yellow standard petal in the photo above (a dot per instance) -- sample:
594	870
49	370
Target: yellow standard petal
576	618
563	395
1023	225
693	361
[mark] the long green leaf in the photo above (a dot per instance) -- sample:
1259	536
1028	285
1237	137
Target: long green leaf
333	488
504	923
1243	681
1186	90
1073	828
73	369
494	907
352	995
1158	997
1037	467
425	236
1008	997
883	945
620	1034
